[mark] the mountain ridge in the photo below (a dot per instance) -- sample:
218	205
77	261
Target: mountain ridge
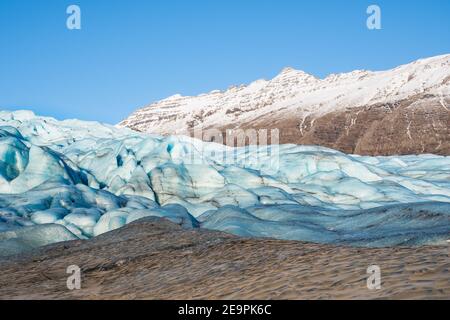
399	111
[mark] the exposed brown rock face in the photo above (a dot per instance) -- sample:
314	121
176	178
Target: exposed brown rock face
156	259
390	129
405	110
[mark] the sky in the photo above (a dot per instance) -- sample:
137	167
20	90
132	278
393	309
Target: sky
130	53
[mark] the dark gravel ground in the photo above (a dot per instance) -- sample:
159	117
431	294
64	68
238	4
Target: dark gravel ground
156	259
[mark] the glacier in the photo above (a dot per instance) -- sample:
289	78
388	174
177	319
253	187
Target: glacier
64	180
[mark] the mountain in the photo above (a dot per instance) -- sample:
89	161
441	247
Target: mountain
405	110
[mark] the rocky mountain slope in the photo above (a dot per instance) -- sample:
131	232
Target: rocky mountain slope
405	110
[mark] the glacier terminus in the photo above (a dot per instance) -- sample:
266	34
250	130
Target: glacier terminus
64	180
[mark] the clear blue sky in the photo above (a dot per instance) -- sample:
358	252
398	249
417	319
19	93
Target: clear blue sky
130	53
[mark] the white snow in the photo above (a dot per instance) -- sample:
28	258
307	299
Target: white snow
294	92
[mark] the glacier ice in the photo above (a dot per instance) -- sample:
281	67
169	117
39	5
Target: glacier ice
89	178
24	239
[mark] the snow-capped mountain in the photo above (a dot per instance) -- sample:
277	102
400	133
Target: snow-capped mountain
405	110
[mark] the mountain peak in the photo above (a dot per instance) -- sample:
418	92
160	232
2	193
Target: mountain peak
410	103
288	70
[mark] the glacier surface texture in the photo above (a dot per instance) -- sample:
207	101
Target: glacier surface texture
64	180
